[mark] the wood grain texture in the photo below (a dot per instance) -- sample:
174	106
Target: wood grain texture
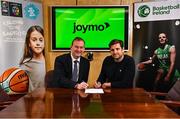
114	103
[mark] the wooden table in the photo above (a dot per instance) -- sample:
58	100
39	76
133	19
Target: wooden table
66	103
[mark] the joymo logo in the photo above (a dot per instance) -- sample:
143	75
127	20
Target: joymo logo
143	11
90	27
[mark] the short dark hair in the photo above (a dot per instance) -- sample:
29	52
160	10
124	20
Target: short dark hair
116	41
77	39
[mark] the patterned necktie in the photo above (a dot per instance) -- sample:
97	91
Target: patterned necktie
75	71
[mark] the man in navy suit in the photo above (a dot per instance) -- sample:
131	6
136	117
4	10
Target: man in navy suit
65	65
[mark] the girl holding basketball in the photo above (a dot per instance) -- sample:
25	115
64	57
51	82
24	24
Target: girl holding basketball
33	61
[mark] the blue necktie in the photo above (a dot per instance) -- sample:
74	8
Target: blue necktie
75	71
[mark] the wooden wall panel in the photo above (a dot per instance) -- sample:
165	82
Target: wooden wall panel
96	66
129	2
98	56
50	56
99	2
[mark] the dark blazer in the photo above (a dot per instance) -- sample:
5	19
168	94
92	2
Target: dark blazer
63	71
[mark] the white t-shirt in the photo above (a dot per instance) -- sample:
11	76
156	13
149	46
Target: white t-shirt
36	71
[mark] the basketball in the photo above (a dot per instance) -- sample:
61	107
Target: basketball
14	81
141	66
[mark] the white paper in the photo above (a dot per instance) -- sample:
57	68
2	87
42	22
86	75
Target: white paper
94	90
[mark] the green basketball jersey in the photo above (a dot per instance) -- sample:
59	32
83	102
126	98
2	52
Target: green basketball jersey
163	56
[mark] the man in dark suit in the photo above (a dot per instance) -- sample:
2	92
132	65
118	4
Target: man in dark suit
71	70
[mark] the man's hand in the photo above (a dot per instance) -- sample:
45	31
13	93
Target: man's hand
97	84
106	85
82	85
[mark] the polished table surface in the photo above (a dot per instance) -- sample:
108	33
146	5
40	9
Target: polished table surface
66	103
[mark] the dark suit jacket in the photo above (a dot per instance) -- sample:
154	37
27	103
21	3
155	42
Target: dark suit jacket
63	71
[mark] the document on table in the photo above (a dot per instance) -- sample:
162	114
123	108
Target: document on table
94	90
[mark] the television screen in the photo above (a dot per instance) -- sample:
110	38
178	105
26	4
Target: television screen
97	25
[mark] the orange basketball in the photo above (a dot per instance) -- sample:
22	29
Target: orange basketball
7	73
14	81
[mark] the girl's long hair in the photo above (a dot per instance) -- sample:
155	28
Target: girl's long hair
28	53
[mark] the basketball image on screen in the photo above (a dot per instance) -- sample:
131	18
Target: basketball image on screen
97	25
14	81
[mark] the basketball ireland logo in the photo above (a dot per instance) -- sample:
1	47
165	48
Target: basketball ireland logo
143	11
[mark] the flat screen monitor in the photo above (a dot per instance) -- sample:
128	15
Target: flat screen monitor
97	25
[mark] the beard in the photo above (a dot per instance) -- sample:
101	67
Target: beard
118	59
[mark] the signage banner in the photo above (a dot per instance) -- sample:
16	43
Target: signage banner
156	44
155	11
16	16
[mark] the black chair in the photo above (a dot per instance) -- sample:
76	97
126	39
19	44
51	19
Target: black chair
172	98
49	79
174	92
